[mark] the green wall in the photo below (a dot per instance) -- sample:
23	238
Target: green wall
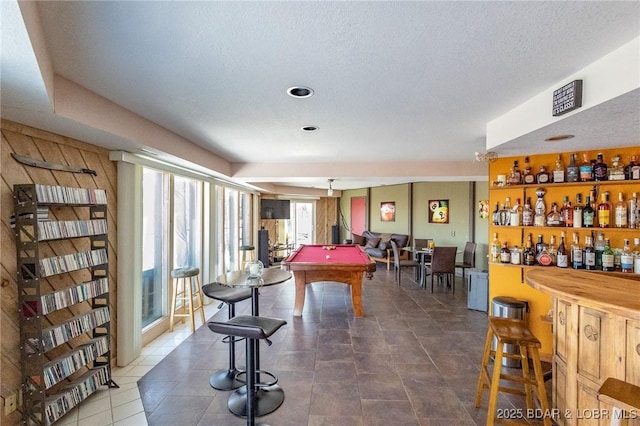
412	205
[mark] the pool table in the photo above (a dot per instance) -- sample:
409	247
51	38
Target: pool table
343	263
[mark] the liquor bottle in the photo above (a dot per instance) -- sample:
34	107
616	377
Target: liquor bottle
527	213
577	255
540	244
515	217
562	259
600	169
607	257
636	255
626	258
589	254
529	255
588	215
586	172
495	248
573	171
505	212
620	217
558	171
554	218
616	171
632	170
604	211
634	211
515	177
540	217
552	249
543	175
544	258
516	255
527	176
505	254
496	215
577	212
599	248
567	211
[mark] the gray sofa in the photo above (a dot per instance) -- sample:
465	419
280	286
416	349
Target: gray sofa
377	245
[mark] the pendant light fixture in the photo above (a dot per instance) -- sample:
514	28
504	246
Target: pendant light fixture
330	190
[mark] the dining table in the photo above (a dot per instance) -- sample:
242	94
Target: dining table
423	256
267	398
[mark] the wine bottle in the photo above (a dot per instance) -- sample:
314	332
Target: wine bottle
588	215
626	258
607	257
599	248
562	259
589	255
604	211
567	212
620	217
495	248
577	255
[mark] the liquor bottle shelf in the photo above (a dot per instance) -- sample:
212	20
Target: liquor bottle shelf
566	184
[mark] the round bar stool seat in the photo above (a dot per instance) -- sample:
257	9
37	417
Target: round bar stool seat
243	401
186	288
226	379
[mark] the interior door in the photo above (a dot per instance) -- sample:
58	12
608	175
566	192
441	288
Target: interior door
358	215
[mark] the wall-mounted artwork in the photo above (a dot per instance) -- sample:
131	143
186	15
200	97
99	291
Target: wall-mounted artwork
388	211
438	211
483	209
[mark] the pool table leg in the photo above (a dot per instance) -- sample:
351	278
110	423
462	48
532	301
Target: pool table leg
301	284
356	294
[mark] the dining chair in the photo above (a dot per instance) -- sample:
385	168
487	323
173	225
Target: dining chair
443	264
398	264
419	244
468	258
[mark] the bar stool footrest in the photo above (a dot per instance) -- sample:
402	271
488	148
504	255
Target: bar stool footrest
261	384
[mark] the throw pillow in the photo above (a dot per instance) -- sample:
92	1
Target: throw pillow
358	239
372	243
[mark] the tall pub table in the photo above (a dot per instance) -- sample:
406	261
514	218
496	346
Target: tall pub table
267	398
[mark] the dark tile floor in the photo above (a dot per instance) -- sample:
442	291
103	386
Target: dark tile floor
413	359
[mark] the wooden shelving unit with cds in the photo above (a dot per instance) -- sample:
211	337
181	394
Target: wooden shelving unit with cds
65	347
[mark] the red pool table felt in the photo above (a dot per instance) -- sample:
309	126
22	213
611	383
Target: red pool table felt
346	264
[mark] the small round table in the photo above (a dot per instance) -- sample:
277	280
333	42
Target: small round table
267	398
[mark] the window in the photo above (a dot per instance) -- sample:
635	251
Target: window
155	237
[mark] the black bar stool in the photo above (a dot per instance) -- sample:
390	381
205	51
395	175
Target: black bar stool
251	329
226	379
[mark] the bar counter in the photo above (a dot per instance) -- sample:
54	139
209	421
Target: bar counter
596	335
612	292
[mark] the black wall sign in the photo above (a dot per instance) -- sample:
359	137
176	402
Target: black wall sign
567	98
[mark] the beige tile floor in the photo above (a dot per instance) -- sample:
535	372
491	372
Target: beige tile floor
122	406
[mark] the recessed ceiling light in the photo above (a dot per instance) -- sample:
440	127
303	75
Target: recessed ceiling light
558	138
310	128
300	92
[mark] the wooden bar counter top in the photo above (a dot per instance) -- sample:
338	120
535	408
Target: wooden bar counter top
611	292
596	335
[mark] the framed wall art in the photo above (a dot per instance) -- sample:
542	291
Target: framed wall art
388	211
438	211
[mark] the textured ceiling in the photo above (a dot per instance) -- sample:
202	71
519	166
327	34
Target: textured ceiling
395	82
